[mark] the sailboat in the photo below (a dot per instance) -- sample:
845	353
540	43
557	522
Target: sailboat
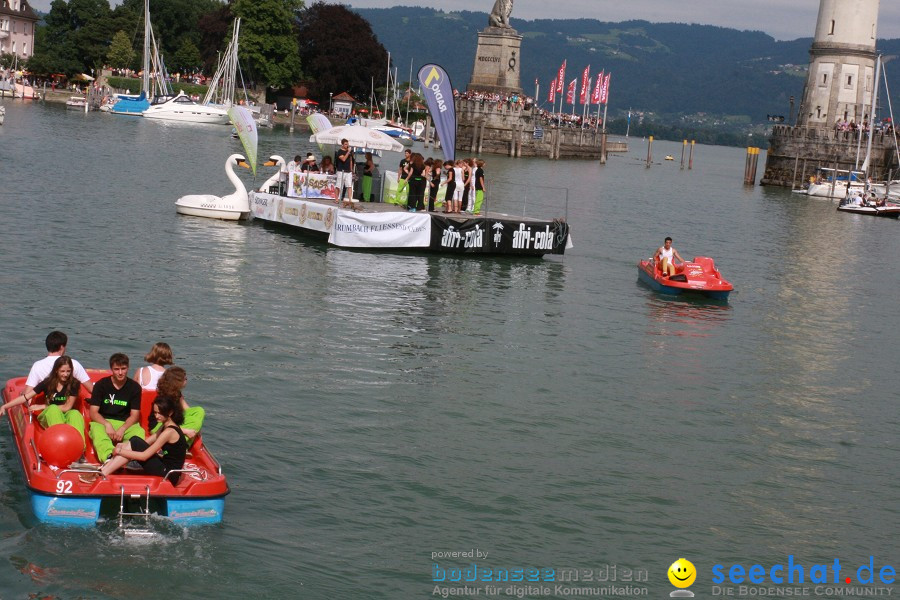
136	105
865	203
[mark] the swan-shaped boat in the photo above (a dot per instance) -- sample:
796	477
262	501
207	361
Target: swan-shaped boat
233	207
274	161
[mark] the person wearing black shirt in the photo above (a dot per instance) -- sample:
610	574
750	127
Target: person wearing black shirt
479	185
115	408
343	166
435	182
60	391
416	179
161	453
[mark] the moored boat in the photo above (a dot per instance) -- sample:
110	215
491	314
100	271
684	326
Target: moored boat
857	205
699	276
182	108
60	497
76	103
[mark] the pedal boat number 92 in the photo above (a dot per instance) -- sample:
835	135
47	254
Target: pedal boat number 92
59	497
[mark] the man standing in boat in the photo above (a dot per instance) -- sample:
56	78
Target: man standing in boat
115	408
343	166
665	257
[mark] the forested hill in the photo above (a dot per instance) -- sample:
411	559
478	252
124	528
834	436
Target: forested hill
669	69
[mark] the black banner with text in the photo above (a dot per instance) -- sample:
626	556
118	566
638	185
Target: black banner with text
498	236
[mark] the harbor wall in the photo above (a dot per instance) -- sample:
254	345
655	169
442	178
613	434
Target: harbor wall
795	152
509	129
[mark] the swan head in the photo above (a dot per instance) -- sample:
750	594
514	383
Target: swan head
238	160
274	161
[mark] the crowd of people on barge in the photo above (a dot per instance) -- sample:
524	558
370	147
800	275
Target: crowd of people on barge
114	408
464	179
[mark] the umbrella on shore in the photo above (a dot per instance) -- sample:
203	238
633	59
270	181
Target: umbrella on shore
359	137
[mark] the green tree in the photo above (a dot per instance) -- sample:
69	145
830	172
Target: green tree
187	58
268	42
120	54
343	62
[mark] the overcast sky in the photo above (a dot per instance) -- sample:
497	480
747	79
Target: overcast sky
782	19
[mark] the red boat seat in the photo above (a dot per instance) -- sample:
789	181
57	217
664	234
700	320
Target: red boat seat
706	263
147	398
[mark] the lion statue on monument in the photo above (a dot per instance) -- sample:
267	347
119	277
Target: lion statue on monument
500	15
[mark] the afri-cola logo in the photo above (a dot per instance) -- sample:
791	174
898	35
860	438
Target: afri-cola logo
794	572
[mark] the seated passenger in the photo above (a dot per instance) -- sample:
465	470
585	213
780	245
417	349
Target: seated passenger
159	357
665	257
56	343
60	390
171	384
115	408
160	453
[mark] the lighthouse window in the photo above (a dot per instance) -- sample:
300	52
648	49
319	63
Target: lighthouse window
849	81
824	78
832	28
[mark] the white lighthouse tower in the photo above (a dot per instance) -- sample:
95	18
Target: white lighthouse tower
842	63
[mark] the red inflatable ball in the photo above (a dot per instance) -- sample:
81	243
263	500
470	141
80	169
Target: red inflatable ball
60	445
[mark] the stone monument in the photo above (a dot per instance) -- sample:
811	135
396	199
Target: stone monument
497	57
514	128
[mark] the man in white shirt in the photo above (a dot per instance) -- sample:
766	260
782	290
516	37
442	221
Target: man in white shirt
56	346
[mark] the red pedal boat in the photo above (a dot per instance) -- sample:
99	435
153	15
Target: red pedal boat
699	276
59	497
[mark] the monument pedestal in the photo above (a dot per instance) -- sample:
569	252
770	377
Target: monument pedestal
497	61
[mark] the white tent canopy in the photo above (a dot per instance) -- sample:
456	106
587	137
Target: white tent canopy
359	137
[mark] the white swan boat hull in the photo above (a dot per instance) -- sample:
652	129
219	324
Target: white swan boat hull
210	210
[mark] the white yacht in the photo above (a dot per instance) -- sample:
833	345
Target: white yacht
182	108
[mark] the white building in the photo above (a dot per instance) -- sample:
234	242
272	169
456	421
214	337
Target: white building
17	23
842	63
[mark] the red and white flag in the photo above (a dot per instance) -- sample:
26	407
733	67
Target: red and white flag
570	95
585	84
595	95
604	91
560	77
551	97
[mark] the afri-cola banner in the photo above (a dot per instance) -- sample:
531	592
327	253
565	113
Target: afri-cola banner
494	236
438	92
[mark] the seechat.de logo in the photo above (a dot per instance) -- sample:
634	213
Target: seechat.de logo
795	572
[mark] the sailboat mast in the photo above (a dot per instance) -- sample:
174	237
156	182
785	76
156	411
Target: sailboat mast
871	118
387	86
408	92
145	81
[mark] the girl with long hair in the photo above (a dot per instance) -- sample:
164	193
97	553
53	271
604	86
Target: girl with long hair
60	391
160	453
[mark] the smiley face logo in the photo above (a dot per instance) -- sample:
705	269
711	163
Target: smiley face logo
682	573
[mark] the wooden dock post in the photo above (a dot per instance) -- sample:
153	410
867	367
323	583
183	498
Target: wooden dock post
691	157
683	147
649	151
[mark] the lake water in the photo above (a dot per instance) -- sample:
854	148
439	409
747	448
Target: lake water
373	409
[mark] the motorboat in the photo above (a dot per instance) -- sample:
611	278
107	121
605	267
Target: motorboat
669	157
76	103
61	494
182	108
859	205
698	276
233	207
